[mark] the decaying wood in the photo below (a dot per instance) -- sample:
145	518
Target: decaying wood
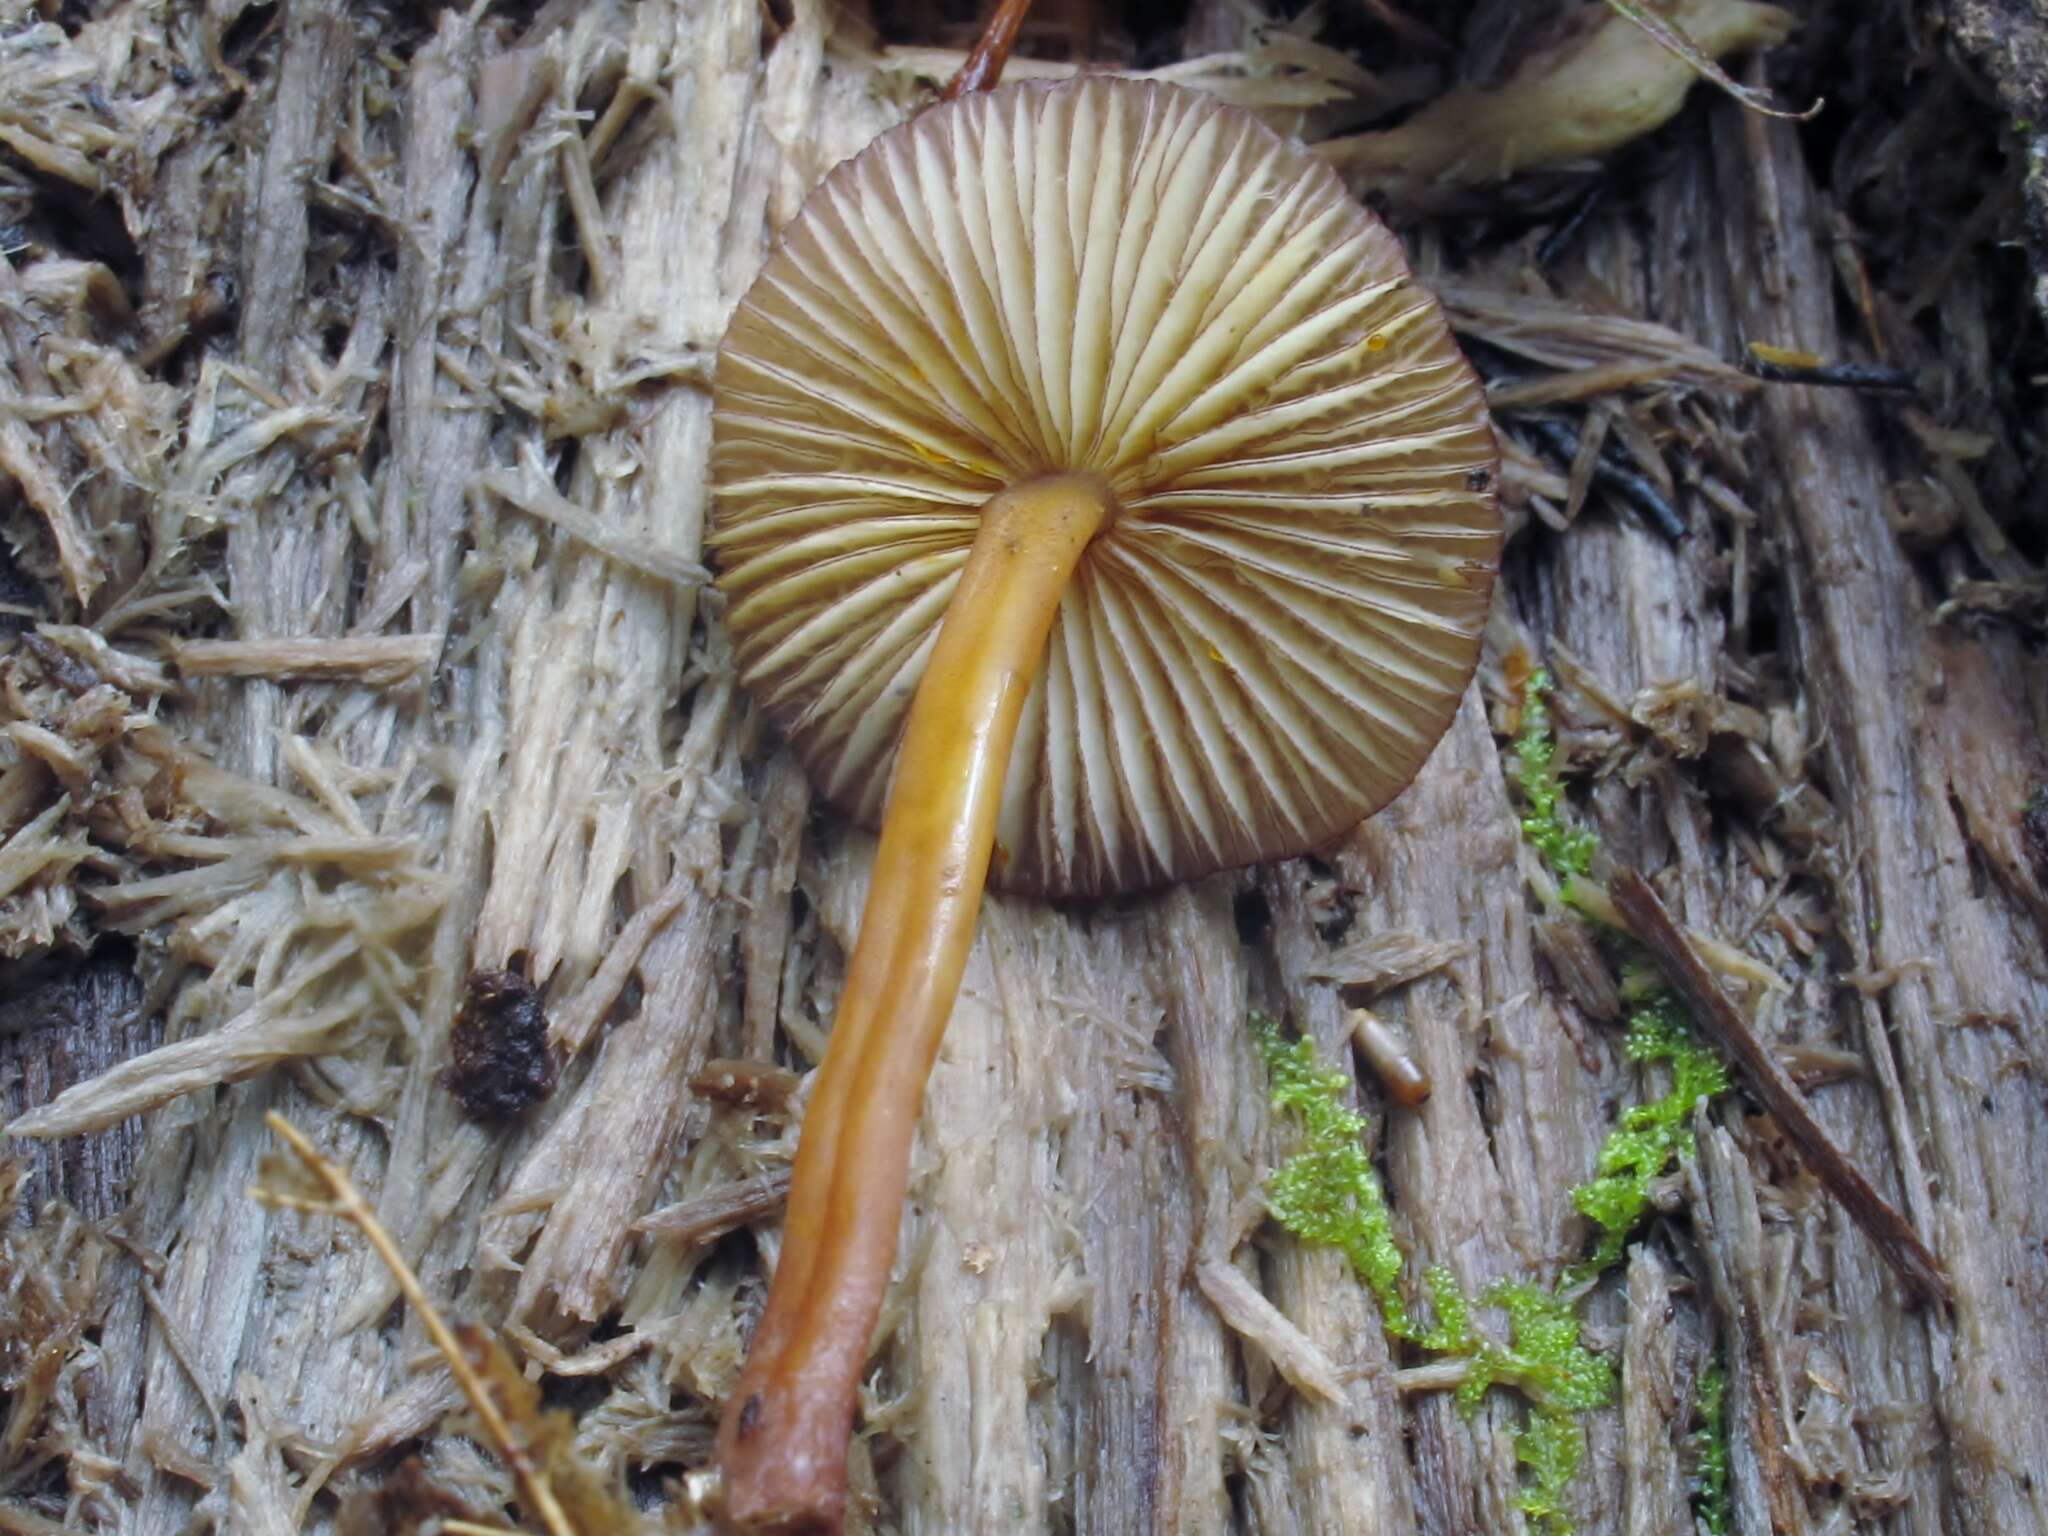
1659	1367
718	1211
2007	41
1764	1471
353	422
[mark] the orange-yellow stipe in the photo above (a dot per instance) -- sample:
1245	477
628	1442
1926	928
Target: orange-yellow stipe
782	1443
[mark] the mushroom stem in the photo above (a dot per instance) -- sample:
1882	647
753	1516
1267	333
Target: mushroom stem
782	1443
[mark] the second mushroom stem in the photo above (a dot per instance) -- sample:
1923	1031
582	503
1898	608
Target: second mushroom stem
782	1446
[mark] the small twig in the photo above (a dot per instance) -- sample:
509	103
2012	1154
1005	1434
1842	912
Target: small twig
1673	38
983	66
1555	242
1646	917
1247	1312
1775	365
1614	474
577	1020
174	1341
372	660
346	1202
528	489
1611	471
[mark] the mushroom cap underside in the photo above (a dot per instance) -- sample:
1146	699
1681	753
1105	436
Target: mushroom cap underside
1129	279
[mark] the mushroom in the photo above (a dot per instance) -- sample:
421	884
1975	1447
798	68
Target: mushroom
1099	502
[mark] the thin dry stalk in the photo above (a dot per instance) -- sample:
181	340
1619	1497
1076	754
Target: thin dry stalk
347	1203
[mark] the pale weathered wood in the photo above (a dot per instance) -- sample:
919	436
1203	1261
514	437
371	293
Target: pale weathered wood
424	302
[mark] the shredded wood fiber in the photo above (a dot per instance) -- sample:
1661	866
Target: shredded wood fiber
353	423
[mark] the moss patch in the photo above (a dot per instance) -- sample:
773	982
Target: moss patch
1329	1193
1566	848
1711	1500
1652	1137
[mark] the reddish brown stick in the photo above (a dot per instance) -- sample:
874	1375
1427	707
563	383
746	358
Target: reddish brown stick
984	64
1716	1013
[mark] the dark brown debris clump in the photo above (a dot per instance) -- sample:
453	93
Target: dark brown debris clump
500	1062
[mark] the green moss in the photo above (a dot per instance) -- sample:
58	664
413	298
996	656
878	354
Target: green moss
1548	1364
1711	1500
1544	1358
1329	1193
1451	1333
1567	849
1549	1450
1651	1137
